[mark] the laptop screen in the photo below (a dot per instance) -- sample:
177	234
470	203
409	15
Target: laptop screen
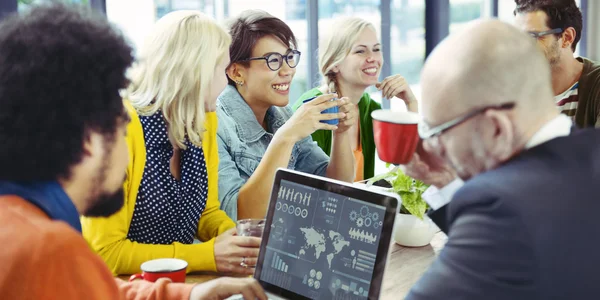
322	245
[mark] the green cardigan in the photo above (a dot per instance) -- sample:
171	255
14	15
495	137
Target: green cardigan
588	106
365	106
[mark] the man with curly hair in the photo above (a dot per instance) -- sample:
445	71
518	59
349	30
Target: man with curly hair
557	26
63	154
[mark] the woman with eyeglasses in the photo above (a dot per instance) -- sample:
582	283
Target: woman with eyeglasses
350	61
257	132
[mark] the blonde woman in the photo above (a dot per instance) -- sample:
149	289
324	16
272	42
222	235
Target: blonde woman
171	187
350	61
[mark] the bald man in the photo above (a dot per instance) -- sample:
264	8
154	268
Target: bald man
524	225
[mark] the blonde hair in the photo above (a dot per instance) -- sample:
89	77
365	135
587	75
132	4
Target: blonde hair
175	70
336	47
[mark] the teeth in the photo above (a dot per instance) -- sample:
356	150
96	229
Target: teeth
281	87
370	70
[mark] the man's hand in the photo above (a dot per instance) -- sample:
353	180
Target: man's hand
225	287
429	168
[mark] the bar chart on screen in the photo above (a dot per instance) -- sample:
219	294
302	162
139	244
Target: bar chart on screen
278	264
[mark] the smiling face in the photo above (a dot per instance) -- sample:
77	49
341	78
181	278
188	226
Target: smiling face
362	66
263	86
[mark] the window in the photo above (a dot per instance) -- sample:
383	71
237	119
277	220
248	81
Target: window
407	43
136	17
23	4
463	11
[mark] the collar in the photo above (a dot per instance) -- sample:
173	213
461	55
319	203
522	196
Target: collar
248	127
557	127
49	196
566	93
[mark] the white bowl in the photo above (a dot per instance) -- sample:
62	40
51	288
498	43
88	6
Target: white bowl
411	231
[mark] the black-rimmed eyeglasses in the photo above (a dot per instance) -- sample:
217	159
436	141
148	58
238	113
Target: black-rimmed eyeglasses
275	60
426	132
539	34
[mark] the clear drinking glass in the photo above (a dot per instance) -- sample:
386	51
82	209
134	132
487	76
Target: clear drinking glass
250	227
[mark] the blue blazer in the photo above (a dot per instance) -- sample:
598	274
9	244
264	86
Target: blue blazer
526	230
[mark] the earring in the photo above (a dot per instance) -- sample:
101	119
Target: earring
239	82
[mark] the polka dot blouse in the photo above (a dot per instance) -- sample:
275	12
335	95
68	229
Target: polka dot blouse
168	210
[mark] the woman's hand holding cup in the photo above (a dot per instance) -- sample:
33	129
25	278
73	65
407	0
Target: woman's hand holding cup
234	253
313	116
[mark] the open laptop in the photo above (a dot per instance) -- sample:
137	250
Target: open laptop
324	239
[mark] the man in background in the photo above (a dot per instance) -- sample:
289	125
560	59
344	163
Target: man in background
557	27
63	154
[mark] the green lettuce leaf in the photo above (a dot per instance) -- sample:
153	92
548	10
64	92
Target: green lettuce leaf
402	183
420	186
410	190
413	204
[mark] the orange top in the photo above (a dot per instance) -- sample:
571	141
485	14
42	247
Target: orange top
359	160
46	259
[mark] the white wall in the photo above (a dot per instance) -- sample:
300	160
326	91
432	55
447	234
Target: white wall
593	30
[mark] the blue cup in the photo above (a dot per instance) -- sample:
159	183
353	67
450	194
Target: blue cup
332	110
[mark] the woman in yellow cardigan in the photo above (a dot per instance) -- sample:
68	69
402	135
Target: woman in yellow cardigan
171	186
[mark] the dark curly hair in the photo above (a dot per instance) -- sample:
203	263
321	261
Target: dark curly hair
61	69
249	27
561	14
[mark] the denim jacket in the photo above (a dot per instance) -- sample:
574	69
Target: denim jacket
243	142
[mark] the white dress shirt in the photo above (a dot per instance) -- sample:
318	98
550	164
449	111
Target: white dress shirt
557	127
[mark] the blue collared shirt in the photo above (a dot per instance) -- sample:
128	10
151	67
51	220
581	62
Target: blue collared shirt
243	142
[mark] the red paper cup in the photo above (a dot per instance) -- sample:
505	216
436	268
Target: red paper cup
152	270
396	135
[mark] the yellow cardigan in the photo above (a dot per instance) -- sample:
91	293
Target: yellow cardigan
108	236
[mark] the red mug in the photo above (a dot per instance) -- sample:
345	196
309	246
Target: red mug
395	134
152	270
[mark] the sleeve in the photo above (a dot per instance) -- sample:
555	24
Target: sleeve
214	221
311	158
230	180
487	256
593	99
437	198
108	236
597	100
74	272
323	140
161	289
